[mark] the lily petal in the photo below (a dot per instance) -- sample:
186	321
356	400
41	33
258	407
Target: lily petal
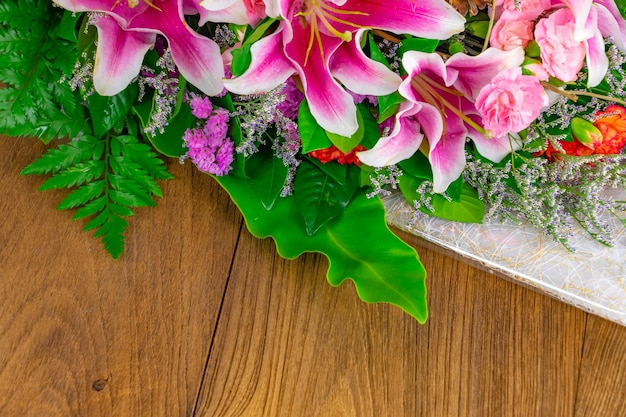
119	56
215	5
447	156
583	18
122	12
360	74
268	69
197	57
611	23
432	19
226	11
469	74
272	8
401	144
198	60
333	108
597	61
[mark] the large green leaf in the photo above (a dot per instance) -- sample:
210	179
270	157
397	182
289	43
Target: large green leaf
359	246
468	208
318	196
267	179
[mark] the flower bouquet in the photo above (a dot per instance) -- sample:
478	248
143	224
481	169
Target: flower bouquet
310	112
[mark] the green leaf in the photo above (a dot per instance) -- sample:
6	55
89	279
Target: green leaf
388	105
375	52
91	208
66	155
336	171
118	173
469	208
318	196
382	267
75	175
418	44
312	135
108	112
370	126
82	195
417	166
33	103
242	57
112	232
346	144
268	176
170	142
67	28
259	30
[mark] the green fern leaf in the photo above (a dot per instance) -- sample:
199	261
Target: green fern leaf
143	155
82	195
75	175
66	155
112	233
33	102
107	178
129	169
91	208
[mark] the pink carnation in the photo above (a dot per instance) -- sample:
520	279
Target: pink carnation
510	102
561	54
509	34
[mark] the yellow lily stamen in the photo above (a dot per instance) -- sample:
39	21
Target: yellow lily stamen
133	3
425	84
316	12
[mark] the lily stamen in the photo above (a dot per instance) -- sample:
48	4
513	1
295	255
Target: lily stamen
133	3
315	10
424	84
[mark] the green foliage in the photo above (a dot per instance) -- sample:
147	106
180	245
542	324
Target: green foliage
267	176
35	56
108	177
358	244
242	56
466	207
312	135
320	197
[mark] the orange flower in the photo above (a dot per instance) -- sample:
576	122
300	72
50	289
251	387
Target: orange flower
606	136
333	153
612	125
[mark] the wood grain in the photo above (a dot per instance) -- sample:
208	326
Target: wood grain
84	335
200	319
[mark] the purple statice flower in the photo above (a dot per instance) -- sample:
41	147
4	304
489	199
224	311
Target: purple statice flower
209	146
291	101
201	106
217	124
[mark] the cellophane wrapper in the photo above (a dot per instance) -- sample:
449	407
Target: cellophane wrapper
592	278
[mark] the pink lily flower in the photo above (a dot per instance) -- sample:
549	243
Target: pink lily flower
440	106
126	33
319	41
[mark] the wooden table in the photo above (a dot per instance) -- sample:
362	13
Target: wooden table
198	318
